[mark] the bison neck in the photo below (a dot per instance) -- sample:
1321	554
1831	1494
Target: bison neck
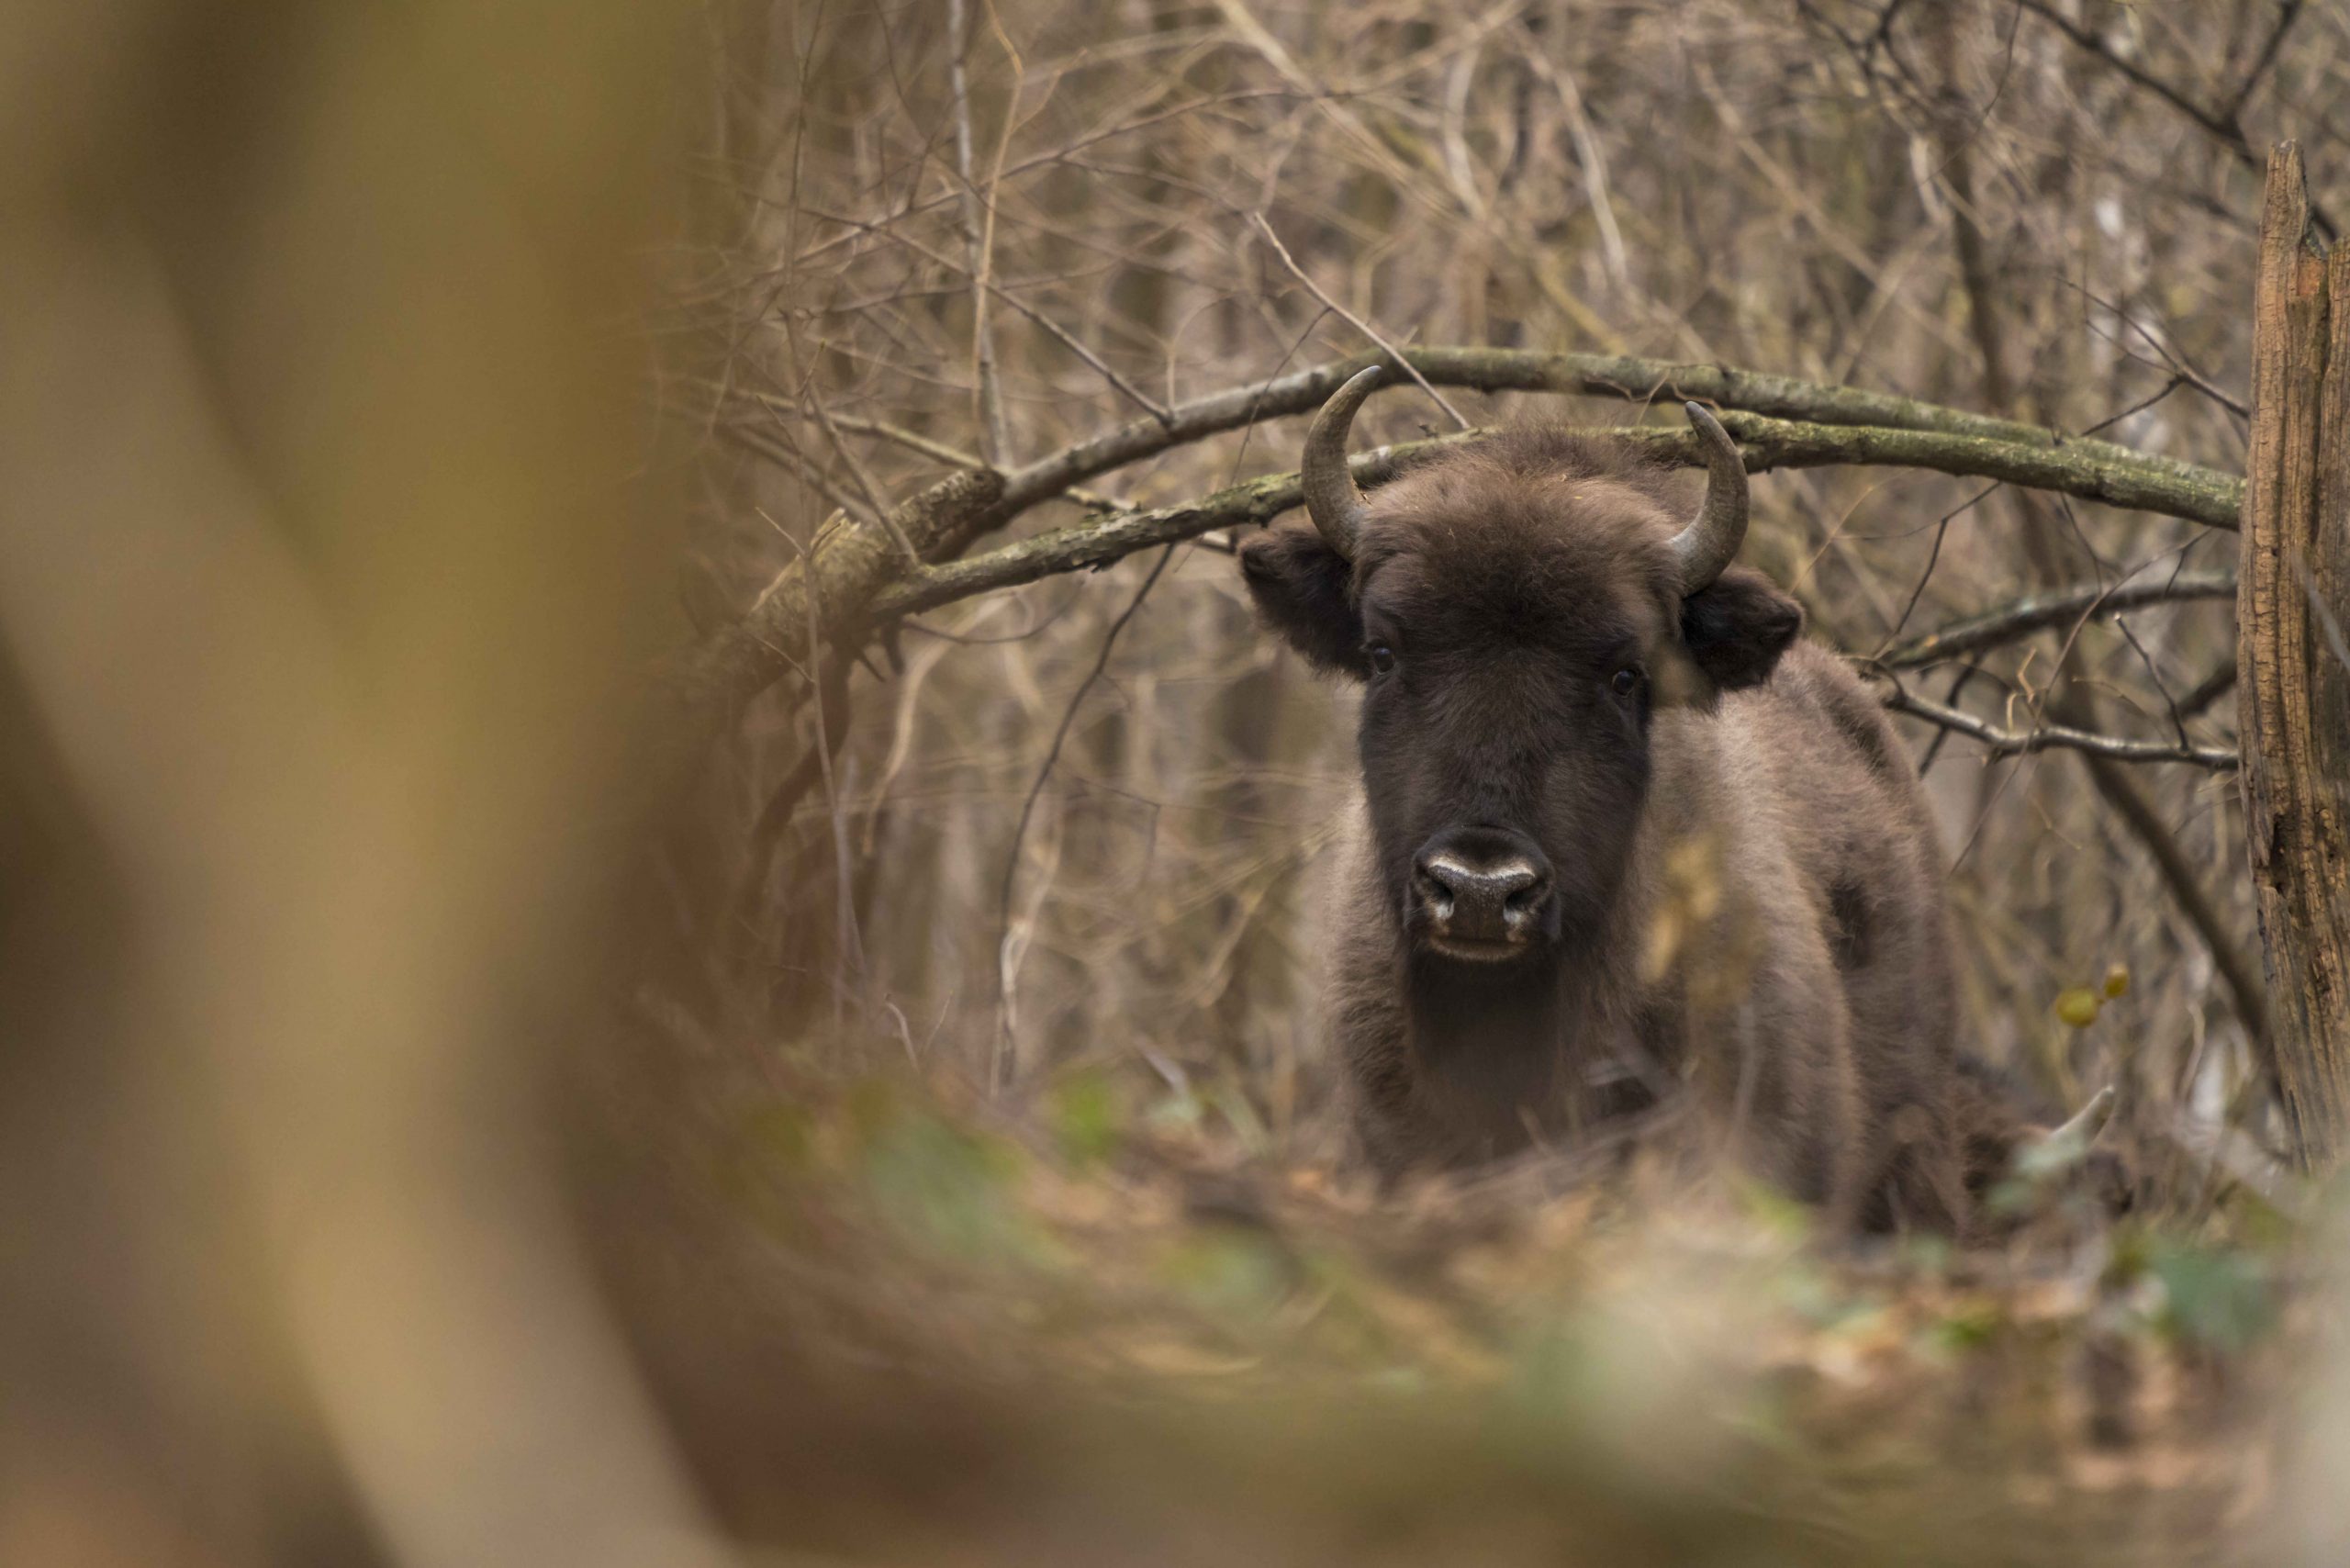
1507	1055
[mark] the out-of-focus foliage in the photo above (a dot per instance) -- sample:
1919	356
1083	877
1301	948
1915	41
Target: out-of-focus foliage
1680	1372
321	619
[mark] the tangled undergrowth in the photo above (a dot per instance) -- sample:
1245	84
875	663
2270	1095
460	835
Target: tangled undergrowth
1579	1332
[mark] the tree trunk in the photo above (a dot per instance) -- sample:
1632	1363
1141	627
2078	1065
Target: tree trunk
2293	702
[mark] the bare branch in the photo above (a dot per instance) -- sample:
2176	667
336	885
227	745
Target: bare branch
1053	329
1104	544
1357	322
997	434
2210	495
876	502
1007	1057
1767	443
2199	697
2039	611
2212	499
2016	743
2286	15
2223	125
760	440
728	669
707	685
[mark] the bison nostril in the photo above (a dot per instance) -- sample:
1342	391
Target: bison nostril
1433	889
1478	899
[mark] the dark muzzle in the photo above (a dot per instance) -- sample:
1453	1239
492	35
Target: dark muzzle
1481	893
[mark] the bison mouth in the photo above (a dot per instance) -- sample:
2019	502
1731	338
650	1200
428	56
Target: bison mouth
1475	950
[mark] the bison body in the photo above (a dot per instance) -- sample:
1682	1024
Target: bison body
1775	944
1622	842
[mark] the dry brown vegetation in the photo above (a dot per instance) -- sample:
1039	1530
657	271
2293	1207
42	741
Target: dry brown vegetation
1062	838
1072	818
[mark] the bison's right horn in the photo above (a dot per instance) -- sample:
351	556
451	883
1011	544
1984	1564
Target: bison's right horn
1711	541
1332	500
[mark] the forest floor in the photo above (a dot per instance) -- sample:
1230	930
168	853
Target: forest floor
2099	1387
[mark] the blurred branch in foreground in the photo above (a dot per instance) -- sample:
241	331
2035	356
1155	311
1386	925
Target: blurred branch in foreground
321	588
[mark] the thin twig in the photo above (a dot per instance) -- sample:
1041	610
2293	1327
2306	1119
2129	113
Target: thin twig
1006	1060
2224	125
2044	737
844	911
783	804
1060	334
881	429
995	433
2209	690
2286	15
2037	612
1393	353
867	485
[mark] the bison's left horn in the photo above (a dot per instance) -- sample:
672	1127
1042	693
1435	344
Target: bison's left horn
1711	541
1332	500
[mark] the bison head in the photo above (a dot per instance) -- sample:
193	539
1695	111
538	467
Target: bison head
1523	613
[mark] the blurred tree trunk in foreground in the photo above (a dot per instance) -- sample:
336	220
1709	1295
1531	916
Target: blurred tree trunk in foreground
2294	700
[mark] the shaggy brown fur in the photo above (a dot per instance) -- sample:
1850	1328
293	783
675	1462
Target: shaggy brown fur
1745	894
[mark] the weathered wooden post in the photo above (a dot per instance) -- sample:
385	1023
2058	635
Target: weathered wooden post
2293	656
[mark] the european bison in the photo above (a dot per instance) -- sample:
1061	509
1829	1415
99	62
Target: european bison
1621	837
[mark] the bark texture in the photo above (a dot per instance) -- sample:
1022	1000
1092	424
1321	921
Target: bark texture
2293	702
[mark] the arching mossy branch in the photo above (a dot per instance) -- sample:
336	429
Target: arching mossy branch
1767	443
861	579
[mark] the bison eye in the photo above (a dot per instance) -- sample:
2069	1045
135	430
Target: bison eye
1383	657
1627	681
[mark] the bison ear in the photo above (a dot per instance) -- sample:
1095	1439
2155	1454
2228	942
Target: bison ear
1300	586
1736	627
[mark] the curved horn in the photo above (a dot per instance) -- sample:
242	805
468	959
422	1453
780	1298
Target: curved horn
1332	501
1713	536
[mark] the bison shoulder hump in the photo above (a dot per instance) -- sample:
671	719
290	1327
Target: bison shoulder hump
1860	722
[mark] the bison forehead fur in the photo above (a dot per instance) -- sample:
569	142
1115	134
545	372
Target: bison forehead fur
1616	845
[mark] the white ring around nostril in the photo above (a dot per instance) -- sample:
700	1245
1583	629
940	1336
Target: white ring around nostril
1512	877
1506	893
